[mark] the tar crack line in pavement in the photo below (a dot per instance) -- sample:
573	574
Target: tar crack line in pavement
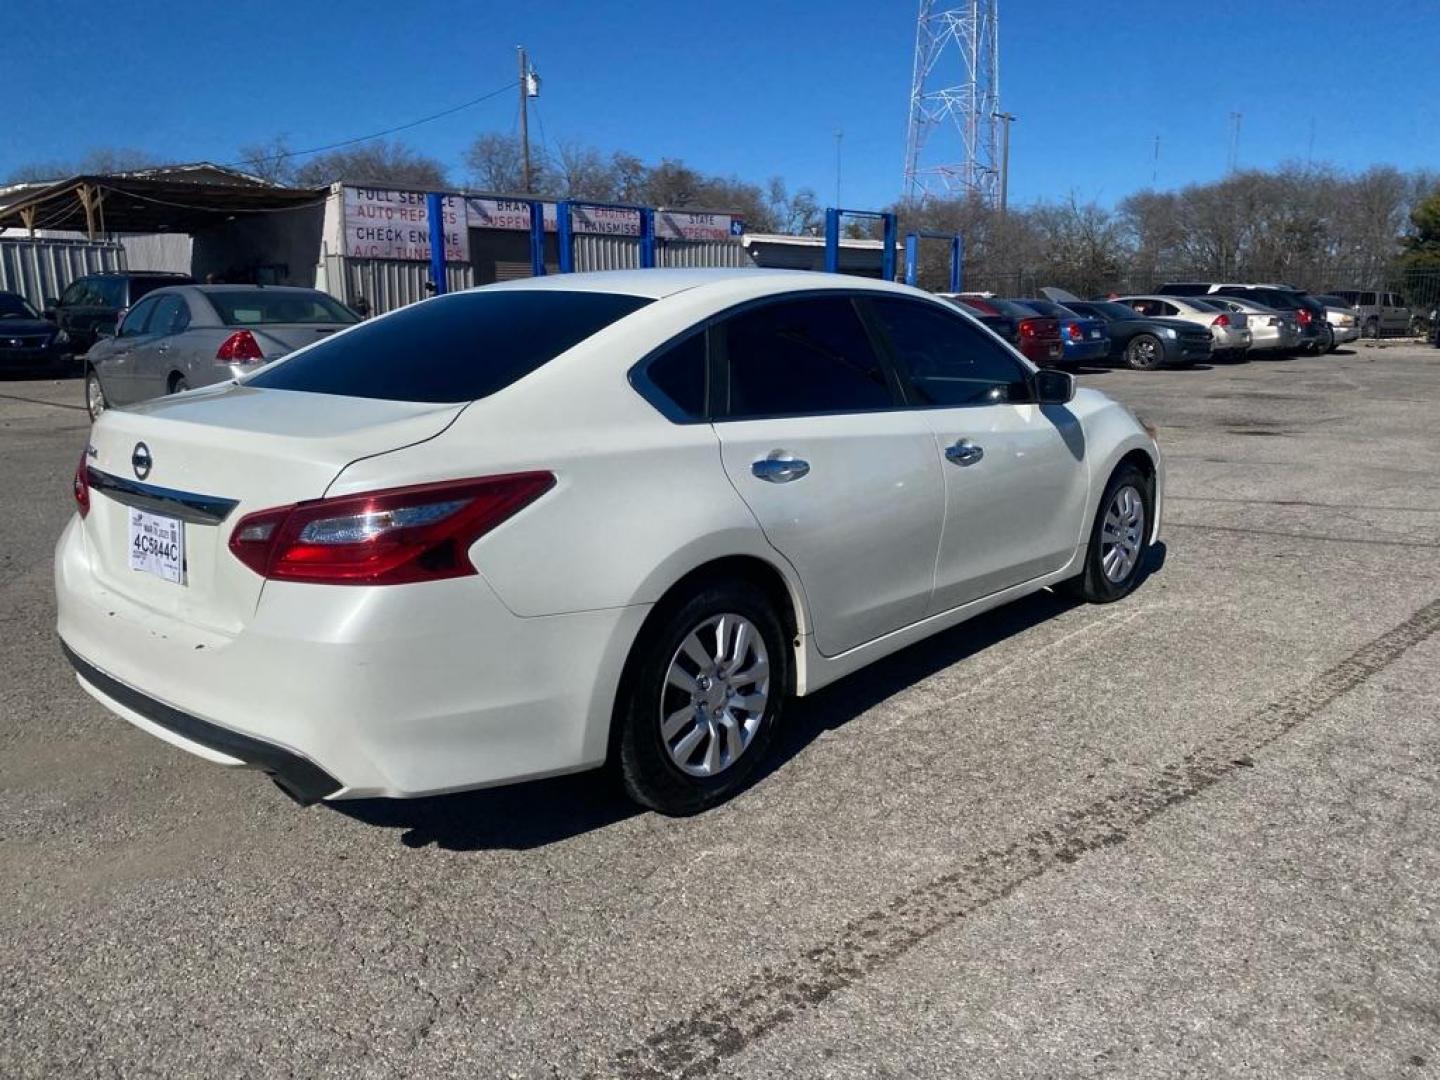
778	994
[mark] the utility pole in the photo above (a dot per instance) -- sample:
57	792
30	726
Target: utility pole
1155	168
839	135
1005	119
524	119
1235	119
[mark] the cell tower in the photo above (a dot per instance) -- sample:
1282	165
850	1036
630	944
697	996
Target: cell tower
950	147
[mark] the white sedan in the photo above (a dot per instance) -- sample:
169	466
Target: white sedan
541	526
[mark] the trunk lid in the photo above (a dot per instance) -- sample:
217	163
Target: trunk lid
213	457
277	339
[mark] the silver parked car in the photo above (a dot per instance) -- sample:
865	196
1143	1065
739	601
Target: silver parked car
1344	320
186	336
1230	331
1270	330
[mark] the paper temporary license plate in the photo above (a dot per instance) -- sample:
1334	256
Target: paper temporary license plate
157	545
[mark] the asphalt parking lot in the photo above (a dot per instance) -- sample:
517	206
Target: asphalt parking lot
1194	833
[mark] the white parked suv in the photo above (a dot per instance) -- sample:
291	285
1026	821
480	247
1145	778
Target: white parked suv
535	527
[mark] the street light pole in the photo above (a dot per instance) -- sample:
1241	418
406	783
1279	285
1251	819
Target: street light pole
1006	119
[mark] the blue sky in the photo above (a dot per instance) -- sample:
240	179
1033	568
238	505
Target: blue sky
753	87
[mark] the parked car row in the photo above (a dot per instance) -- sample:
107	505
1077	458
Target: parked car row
1178	323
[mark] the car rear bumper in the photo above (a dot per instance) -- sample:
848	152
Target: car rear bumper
1188	351
1346	333
1079	351
346	692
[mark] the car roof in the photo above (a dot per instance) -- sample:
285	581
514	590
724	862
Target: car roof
657	284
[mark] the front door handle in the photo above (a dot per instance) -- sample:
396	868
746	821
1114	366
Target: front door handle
964	452
780	470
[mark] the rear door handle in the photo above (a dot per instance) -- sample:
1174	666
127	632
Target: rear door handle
964	452
780	470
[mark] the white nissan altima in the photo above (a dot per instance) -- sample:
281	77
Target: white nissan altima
541	526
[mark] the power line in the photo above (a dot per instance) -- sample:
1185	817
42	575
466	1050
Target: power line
381	134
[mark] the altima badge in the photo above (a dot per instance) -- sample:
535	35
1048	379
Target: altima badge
140	460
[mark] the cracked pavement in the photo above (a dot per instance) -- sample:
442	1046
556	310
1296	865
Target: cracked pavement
1196	832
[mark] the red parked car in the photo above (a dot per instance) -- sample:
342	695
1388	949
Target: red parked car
1036	336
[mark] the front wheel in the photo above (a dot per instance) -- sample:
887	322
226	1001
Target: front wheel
1119	539
95	402
1144	352
700	699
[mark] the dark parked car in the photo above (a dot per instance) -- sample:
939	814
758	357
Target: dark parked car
1004	325
1085	337
1037	336
1315	333
28	342
92	305
1145	341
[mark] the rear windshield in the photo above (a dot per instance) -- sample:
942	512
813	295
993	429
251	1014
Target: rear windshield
1049	307
257	307
450	349
1274	298
1203	305
1011	308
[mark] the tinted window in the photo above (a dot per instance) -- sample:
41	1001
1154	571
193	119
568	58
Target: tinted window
134	323
167	317
74	293
1367	298
946	361
803	356
1011	308
450	349
253	307
108	292
679	374
13	306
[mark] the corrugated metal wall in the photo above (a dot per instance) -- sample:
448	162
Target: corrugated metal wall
37	269
689	253
386	283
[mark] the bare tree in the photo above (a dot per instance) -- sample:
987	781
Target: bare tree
378	163
101	159
582	172
272	160
496	163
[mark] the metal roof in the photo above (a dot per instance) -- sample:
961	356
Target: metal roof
170	199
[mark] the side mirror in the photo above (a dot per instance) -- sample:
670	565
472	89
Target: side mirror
1054	387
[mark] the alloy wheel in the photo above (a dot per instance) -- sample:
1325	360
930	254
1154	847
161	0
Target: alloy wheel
1123	534
716	690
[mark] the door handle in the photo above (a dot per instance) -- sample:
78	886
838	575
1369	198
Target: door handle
164	346
964	452
780	470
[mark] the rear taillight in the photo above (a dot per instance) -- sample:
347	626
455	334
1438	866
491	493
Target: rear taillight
1303	316
1221	320
1075	331
1027	327
390	537
82	485
239	348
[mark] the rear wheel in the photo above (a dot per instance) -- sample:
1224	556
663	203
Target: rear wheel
1144	352
700	698
95	402
1119	539
1371	328
178	383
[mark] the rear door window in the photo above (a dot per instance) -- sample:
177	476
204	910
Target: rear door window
135	322
450	349
803	357
167	317
946	361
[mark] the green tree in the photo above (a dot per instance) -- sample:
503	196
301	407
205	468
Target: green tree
1422	246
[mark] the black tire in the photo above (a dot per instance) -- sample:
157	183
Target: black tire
178	384
94	393
1144	352
1331	341
1093	585
647	768
1371	328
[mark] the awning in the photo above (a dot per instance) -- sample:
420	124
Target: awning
173	199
